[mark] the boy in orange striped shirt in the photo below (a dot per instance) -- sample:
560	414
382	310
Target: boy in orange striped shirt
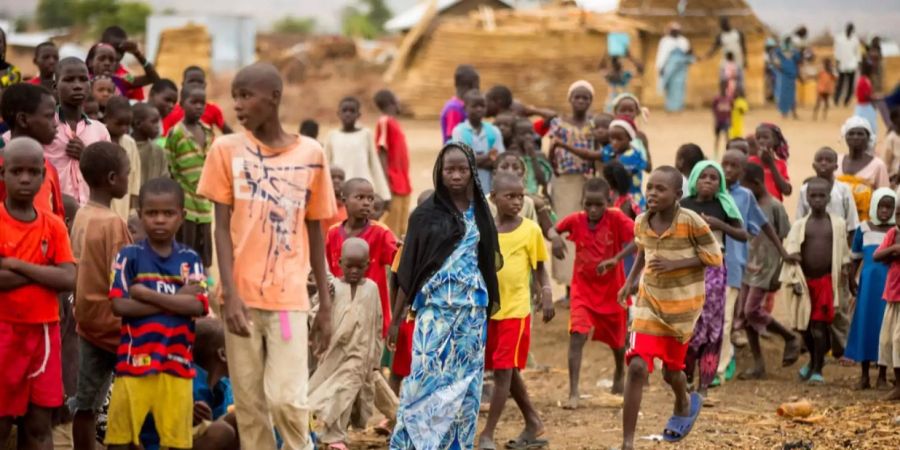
677	246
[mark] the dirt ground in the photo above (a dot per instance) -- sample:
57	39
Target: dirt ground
743	415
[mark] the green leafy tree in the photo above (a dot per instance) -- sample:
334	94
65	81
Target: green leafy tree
55	13
295	25
366	21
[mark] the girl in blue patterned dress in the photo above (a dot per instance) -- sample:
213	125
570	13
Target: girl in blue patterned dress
862	343
448	275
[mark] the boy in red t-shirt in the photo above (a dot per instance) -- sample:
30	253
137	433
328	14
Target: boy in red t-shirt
889	339
602	237
30	111
394	155
36	263
359	198
194	76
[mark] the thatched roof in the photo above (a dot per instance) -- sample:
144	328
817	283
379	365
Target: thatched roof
695	17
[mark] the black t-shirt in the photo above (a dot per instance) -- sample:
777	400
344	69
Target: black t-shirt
712	208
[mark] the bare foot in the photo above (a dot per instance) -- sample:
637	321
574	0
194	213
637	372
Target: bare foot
486	443
618	387
572	403
756	373
894	395
862	385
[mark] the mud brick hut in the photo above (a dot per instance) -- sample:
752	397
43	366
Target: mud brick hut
539	52
699	20
536	52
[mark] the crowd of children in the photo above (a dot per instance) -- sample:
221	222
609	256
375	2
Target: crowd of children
328	281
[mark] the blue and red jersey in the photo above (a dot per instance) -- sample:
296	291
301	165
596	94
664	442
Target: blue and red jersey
158	343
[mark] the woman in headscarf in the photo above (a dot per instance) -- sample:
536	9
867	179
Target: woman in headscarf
860	168
673	58
787	60
709	197
572	152
862	343
9	74
448	279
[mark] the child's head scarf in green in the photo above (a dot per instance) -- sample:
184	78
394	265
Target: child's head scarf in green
877	196
722	195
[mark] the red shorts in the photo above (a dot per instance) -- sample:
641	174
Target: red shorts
608	328
649	347
508	341
821	297
30	367
403	353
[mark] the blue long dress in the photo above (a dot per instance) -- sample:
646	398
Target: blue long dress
862	343
786	76
674	78
440	398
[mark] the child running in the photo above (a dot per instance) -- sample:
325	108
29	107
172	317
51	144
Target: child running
98	233
350	363
739	109
889	339
601	237
483	137
509	329
158	288
359	198
676	245
709	197
761	278
862	343
818	247
352	148
825	81
629	106
270	189
187	145
394	157
722	106
36	263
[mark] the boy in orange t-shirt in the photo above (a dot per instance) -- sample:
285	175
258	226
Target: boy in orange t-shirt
36	263
271	190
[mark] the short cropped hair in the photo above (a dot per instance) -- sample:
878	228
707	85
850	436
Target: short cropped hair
98	160
502	95
754	172
596	185
350	99
161	185
116	105
161	85
20	98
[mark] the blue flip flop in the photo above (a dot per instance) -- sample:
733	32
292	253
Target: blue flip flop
678	427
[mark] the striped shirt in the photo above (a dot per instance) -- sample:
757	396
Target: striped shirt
158	343
668	304
186	160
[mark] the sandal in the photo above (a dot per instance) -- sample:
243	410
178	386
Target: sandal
678	427
521	443
337	446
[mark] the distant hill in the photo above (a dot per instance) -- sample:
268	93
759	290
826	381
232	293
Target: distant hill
871	16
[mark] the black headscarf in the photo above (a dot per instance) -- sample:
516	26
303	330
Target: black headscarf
436	228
